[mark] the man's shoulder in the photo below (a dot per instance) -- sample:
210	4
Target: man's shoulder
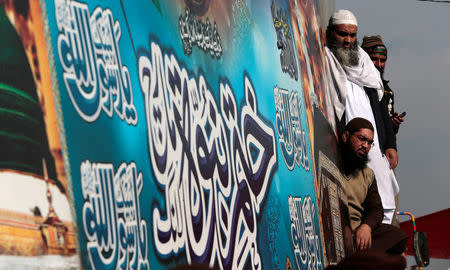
386	86
368	171
367	174
361	178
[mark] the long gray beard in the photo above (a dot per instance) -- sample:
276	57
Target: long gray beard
347	57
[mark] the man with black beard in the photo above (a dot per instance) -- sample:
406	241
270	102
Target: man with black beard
377	51
360	186
356	90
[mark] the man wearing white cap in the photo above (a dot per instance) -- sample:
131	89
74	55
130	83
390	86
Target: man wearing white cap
356	90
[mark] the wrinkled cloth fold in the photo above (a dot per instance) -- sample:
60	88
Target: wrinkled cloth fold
364	74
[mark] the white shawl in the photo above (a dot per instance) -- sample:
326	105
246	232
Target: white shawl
364	74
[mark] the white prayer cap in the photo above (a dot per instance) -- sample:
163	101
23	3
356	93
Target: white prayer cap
343	16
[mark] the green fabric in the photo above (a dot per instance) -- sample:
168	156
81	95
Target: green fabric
14	67
378	50
23	137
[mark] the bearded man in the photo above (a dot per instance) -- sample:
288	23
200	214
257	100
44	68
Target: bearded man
356	90
360	187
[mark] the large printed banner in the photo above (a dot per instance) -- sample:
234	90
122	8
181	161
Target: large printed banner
175	132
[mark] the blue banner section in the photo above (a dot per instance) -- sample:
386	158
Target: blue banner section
187	133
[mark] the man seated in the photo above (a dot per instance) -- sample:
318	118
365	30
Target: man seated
364	203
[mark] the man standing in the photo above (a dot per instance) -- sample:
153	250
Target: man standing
377	51
356	90
360	186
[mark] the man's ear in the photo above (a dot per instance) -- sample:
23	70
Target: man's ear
345	136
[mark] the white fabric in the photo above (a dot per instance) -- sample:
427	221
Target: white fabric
358	105
364	74
343	16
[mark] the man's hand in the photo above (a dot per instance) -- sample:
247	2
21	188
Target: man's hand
397	120
392	157
363	237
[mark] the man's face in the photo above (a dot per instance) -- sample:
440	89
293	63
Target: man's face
379	60
359	142
341	40
345	35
